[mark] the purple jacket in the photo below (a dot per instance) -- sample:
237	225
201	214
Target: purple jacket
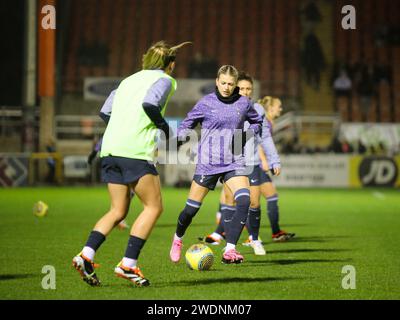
219	121
268	145
266	142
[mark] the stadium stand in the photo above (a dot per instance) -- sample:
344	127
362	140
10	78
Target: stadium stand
267	49
371	44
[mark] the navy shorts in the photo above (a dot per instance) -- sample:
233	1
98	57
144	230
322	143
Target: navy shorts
210	181
122	170
258	176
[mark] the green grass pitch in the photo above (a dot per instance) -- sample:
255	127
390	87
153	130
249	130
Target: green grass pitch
334	228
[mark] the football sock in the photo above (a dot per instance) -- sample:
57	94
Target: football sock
132	252
217	236
220	226
186	216
88	253
94	242
219	207
247	225
129	263
273	213
177	238
230	246
227	213
242	198
254	222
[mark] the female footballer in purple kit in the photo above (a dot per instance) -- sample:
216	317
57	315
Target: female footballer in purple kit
273	109
263	158
221	115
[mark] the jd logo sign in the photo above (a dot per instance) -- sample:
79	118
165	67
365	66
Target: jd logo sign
378	171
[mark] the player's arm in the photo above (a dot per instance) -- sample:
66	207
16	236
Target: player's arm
255	119
155	100
241	137
263	158
194	117
95	150
269	150
105	115
105	111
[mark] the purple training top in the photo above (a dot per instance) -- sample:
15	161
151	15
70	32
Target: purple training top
268	145
219	121
251	149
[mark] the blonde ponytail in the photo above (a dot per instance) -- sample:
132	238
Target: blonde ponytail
268	101
160	55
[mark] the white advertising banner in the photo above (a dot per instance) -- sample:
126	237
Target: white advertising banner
76	167
314	171
373	134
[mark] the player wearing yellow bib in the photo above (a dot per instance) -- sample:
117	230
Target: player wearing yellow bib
127	155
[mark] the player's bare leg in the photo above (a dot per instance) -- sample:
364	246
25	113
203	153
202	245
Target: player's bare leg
84	261
123	225
148	190
120	199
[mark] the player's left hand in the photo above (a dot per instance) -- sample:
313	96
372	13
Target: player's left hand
276	171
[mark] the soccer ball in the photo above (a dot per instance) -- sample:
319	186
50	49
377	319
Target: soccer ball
40	209
199	257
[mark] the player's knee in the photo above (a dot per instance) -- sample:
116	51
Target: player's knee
155	210
254	203
159	210
272	196
229	200
118	214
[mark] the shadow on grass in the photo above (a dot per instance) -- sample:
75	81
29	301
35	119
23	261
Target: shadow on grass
173	225
227	280
294	225
308	250
294	261
317	238
5	277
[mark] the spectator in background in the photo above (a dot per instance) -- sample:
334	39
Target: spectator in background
342	87
311	12
342	84
313	60
340	145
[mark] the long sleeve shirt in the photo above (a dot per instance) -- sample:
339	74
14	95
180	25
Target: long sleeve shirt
265	140
219	121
